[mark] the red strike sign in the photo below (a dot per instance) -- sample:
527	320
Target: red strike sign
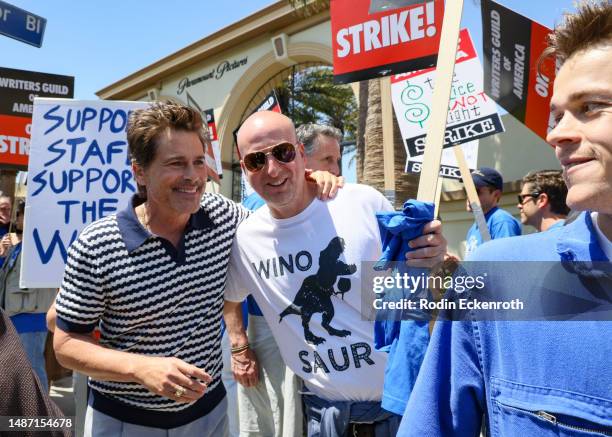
14	139
366	45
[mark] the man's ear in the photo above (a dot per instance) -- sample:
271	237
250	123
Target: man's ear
139	175
498	194
542	200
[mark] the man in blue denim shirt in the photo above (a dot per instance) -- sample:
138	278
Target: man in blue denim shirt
540	378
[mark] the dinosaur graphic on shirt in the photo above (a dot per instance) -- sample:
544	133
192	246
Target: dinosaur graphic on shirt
314	296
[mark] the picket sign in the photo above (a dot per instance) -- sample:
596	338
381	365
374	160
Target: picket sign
470	188
437	200
79	171
447	54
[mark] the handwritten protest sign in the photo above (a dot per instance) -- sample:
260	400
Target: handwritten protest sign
471	113
449	167
514	76
367	45
79	171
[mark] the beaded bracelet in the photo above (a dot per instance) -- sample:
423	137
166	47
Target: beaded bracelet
238	349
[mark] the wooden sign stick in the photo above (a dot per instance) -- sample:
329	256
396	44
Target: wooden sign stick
441	94
386	107
437	199
472	195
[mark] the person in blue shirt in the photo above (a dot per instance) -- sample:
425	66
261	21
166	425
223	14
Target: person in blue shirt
489	186
542	200
542	378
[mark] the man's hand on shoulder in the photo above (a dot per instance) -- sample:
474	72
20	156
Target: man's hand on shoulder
327	183
429	248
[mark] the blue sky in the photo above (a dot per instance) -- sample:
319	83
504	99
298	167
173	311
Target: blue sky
102	42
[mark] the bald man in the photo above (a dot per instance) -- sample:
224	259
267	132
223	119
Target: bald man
301	258
273	406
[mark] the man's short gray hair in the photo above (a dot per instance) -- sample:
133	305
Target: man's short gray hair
308	133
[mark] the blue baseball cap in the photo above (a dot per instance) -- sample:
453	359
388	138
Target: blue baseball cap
488	177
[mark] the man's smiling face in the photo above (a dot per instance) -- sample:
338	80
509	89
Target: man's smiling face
280	184
176	178
582	108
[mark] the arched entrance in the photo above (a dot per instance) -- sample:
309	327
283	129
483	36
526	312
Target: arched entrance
307	94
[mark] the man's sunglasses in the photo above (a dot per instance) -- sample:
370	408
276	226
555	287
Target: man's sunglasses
521	197
283	153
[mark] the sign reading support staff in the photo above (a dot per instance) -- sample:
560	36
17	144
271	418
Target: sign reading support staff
471	113
514	76
79	172
396	40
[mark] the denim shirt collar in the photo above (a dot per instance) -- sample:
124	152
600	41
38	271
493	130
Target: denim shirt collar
578	241
134	234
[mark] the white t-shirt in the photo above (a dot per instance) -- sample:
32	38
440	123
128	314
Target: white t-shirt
293	268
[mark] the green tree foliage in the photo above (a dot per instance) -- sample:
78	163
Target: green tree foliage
310	96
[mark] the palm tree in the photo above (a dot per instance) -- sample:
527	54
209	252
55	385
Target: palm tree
310	96
370	169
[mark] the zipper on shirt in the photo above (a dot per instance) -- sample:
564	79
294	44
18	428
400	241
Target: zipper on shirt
551	418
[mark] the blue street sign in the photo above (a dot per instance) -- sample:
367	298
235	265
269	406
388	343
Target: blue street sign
21	25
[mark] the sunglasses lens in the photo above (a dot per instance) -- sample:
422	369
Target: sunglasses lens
284	152
254	161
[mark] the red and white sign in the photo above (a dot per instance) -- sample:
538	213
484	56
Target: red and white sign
471	113
270	103
366	45
213	151
14	139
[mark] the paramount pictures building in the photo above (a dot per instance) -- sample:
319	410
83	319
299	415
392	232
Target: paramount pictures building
233	70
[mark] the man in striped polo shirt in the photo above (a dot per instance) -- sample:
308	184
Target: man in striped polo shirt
151	279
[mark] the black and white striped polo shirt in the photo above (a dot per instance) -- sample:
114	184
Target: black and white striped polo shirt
149	298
